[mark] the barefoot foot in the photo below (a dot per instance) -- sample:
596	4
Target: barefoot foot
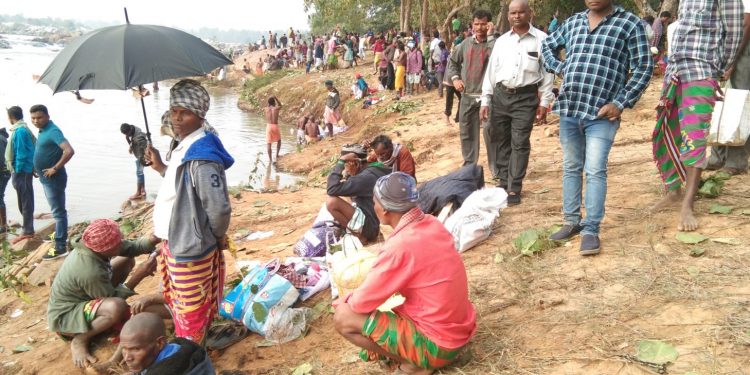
408	368
688	222
671	199
79	349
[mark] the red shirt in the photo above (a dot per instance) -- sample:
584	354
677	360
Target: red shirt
378	47
420	262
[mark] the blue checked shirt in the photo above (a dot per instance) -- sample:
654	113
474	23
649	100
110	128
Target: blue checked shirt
706	39
597	64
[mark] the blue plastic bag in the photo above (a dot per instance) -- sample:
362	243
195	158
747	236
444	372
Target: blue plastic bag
260	293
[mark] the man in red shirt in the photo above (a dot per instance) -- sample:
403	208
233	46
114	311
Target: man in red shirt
420	262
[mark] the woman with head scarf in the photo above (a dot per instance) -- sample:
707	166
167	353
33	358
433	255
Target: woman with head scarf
191	213
420	262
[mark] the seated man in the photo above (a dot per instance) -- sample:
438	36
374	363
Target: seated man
145	350
312	130
393	155
420	262
88	294
358	217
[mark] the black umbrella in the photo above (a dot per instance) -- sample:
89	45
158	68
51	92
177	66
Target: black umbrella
127	56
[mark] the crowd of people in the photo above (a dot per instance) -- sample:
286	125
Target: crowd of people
502	81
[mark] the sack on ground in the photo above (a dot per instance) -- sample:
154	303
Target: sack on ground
260	294
730	122
472	223
349	264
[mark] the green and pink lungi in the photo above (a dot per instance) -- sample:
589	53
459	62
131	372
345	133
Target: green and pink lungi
683	121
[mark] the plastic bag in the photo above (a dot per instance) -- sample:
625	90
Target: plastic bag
472	223
287	325
317	239
349	264
730	122
261	293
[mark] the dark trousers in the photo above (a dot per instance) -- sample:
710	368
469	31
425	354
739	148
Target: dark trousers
22	182
469	124
449	92
391	78
511	120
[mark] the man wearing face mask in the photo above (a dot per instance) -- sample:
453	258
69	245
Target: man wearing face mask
393	155
354	177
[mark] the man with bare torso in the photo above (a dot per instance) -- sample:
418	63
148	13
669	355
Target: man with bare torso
312	131
273	134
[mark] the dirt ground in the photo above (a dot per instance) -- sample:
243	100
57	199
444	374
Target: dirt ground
551	313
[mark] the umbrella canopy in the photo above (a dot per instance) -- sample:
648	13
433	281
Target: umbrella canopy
125	56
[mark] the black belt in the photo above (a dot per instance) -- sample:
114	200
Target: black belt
519	90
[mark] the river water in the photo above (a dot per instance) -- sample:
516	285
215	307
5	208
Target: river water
101	175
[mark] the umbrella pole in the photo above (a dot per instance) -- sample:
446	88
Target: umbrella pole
145	119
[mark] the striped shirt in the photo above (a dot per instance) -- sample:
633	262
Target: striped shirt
595	71
706	40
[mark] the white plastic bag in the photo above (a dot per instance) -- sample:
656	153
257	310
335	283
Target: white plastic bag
348	263
286	325
730	122
472	223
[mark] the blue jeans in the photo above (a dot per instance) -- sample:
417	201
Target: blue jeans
586	145
54	190
139	172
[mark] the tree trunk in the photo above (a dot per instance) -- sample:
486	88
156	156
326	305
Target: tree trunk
407	17
645	8
670	6
503	25
401	16
424	27
446	24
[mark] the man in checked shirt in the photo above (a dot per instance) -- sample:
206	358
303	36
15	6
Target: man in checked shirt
704	46
607	66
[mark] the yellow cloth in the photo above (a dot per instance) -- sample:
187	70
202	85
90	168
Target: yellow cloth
400	77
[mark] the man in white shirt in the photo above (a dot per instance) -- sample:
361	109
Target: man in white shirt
514	77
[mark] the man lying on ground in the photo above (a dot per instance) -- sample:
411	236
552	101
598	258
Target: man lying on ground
145	350
420	262
88	294
359	216
393	155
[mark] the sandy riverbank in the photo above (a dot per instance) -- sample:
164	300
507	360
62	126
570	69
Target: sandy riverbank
553	313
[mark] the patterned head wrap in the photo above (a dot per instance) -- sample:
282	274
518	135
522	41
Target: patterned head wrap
397	192
190	94
102	235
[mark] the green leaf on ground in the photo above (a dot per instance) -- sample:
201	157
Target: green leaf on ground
656	352
319	309
693	271
303	369
259	312
536	240
711	187
126	227
726	240
24	297
498	258
722	175
261	203
541	191
690	238
719	209
745	212
22	348
696	252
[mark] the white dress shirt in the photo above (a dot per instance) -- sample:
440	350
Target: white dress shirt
512	63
